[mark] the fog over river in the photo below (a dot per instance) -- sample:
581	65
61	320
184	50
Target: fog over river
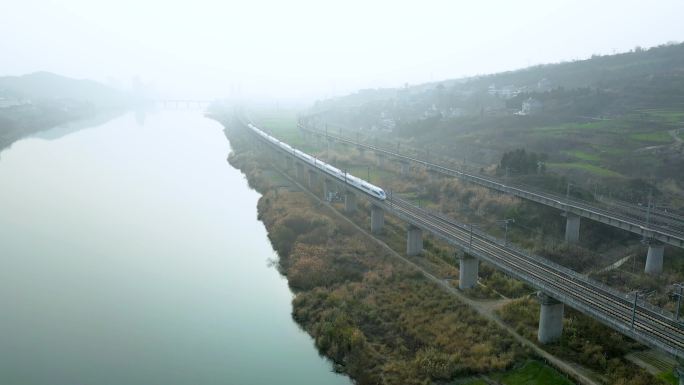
131	253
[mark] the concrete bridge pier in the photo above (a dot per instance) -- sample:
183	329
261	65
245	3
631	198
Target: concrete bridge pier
679	371
467	271
414	240
312	177
654	257
349	202
299	171
404	168
432	177
327	187
380	159
377	219
362	151
550	319
572	226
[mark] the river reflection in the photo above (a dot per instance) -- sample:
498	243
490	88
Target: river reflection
131	254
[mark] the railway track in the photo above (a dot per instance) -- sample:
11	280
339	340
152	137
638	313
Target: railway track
651	326
639	320
664	228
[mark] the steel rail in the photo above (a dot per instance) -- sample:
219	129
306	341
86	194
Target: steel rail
651	326
668	235
555	270
671	339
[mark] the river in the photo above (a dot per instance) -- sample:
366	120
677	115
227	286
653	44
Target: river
131	253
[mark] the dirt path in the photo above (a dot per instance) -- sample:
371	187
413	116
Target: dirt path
485	308
617	264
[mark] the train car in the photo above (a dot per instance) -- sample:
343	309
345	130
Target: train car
359	183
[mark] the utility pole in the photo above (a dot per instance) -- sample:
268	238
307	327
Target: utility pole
648	208
470	242
679	293
637	294
505	222
636	297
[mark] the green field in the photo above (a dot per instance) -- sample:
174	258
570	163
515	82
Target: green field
474	382
669	377
612	151
283	125
584	156
602	125
666	115
600	171
656	137
376	176
533	373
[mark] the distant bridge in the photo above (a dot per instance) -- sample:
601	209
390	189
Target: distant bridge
183	103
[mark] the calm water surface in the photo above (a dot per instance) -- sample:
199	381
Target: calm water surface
130	253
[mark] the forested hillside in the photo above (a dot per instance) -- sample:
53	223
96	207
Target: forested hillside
609	123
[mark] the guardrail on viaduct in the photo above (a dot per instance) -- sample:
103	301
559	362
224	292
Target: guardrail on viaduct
625	313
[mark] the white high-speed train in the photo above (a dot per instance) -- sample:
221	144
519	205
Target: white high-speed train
371	189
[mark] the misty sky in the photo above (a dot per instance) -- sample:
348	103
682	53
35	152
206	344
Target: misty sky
299	48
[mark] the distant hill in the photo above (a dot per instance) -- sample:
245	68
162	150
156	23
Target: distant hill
608	121
642	77
609	71
44	86
43	100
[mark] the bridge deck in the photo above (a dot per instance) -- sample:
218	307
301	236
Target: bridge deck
643	322
670	231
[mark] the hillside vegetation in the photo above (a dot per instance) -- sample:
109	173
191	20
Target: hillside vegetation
42	100
378	318
604	122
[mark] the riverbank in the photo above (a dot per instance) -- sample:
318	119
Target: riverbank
25	120
379	319
134	249
588	351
